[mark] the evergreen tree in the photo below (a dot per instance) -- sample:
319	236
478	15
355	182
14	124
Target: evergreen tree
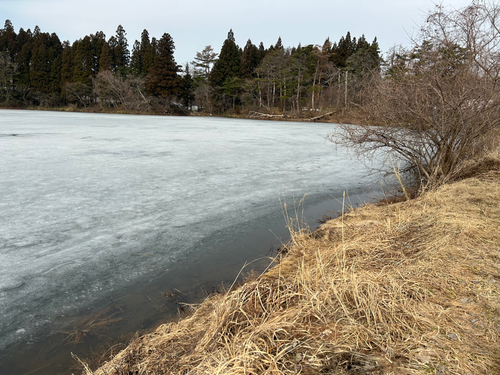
186	92
22	39
23	58
366	59
327	47
250	60
343	50
113	47
136	61
229	63
55	76
147	52
163	80
45	63
262	51
82	61
8	39
97	42
142	55
279	44
154	45
67	65
204	60
36	31
122	54
106	58
232	88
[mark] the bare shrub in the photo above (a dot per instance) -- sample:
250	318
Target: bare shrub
437	105
77	92
114	90
204	96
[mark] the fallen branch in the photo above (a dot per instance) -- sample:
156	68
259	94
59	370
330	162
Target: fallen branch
253	114
321	116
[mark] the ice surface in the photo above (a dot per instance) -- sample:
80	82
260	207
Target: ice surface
91	204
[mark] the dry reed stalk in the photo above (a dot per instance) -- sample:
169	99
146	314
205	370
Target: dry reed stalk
405	288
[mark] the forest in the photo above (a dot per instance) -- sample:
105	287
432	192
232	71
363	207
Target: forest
96	73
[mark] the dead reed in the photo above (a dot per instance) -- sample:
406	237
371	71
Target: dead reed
93	325
404	288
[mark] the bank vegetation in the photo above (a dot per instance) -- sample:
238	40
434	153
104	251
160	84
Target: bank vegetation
408	287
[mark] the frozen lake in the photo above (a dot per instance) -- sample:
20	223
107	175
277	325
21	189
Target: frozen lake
93	204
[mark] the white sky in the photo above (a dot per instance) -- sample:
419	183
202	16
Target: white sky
196	23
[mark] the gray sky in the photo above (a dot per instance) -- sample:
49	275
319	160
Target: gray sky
196	23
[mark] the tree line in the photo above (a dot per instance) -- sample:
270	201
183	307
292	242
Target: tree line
37	69
430	111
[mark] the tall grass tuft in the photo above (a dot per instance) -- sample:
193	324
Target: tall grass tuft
404	288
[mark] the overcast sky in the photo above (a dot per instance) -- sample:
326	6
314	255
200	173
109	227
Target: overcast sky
195	24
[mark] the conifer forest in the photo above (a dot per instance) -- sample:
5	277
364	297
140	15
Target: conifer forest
97	73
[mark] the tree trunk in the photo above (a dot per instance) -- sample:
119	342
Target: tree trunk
314	85
298	91
346	77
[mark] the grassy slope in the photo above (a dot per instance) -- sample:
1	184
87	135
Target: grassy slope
403	288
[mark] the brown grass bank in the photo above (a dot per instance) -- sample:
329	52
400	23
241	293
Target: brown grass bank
403	288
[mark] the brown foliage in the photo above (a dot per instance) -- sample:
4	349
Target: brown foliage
114	90
437	106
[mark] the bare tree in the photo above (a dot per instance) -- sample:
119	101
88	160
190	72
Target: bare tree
114	90
204	96
79	93
7	72
437	105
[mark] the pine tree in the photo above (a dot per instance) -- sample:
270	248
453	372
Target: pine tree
163	80
366	59
343	50
204	60
327	47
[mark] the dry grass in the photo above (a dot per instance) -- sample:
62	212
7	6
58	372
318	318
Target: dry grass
404	288
93	325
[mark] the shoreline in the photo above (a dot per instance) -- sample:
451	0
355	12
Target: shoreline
349	116
132	308
383	270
